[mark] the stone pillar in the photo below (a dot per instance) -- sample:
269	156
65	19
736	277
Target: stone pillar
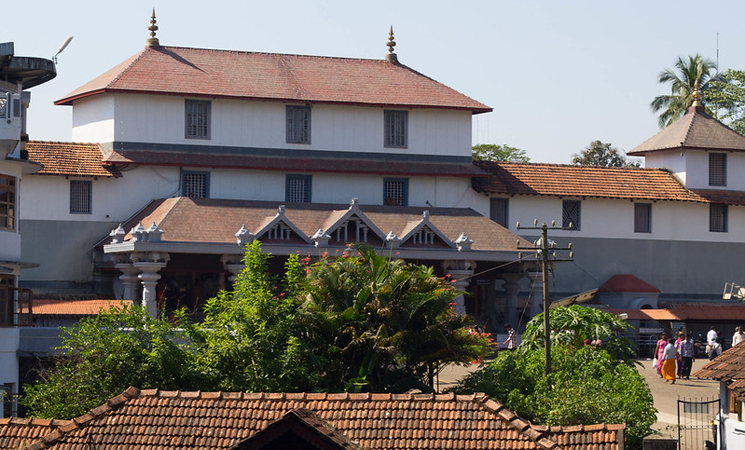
233	264
150	264
536	293
460	271
129	280
511	287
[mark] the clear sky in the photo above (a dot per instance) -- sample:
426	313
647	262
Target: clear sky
559	74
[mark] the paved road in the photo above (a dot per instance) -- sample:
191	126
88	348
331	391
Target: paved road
665	395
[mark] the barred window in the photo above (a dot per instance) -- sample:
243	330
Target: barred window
297	188
396	125
396	191
717	218
80	196
7	202
642	217
195	184
498	210
298	124
198	119
571	214
717	169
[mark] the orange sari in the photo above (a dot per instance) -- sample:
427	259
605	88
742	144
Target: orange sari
668	369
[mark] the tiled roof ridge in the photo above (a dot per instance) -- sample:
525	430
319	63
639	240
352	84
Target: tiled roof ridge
253	52
33	421
79	422
539	436
39	141
577	166
315	396
123	70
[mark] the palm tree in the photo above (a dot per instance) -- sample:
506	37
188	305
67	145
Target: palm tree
688	73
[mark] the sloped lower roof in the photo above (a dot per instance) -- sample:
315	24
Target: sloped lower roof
729	366
695	130
74	307
511	178
70	159
710	312
16	433
626	283
270	76
184	219
646	314
217	420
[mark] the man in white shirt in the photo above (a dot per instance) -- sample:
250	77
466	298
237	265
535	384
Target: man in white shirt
711	336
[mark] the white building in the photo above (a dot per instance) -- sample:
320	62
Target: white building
16	75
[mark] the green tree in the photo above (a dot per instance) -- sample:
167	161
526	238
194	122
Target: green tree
588	384
385	325
105	354
727	99
688	73
602	155
495	152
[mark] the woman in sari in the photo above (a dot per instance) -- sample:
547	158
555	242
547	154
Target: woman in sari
669	357
661	343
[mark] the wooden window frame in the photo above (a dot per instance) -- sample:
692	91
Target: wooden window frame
398	200
571	213
642	217
292	183
297	124
8	190
197	119
186	181
396	128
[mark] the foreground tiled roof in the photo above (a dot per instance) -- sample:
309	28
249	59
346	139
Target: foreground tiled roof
75	307
626	283
696	130
270	76
511	178
710	312
728	367
152	419
646	314
70	159
15	433
185	219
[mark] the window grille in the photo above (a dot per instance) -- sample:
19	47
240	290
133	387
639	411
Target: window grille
298	124
198	119
717	218
571	214
642	218
396	124
717	169
396	192
7	202
297	188
498	210
195	184
80	196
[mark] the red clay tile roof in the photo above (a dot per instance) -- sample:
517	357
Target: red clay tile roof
626	283
74	307
16	433
511	178
215	420
270	76
710	312
695	130
294	164
728	367
70	159
646	314
184	219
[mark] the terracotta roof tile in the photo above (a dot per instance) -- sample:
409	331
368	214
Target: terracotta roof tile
627	283
710	312
184	219
512	178
728	367
646	314
695	130
271	76
16	432
74	307
165	420
70	159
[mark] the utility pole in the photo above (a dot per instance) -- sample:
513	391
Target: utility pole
543	255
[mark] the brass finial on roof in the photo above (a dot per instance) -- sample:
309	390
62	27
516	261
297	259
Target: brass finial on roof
153	41
391	57
696	95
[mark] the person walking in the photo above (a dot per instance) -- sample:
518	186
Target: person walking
738	337
686	357
669	357
511	341
658	350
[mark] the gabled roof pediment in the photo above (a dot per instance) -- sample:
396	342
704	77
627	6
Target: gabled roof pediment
695	130
336	225
280	228
424	233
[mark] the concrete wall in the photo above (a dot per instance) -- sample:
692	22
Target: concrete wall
691	167
241	123
9	342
